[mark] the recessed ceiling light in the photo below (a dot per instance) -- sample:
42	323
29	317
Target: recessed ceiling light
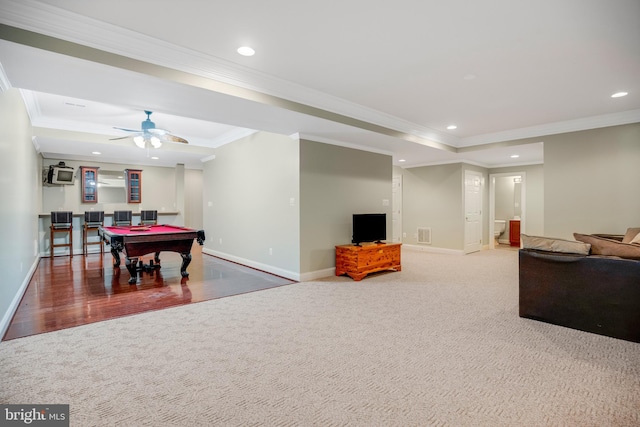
515	156
155	158
246	51
619	94
402	160
96	152
452	127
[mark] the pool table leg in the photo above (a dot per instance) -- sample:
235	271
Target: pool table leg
116	257
156	258
131	264
186	260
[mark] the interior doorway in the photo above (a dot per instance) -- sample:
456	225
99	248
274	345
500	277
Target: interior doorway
507	201
472	211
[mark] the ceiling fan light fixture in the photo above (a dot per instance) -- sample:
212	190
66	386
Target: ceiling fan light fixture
150	136
139	141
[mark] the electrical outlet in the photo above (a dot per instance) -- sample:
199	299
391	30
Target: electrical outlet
221	240
270	251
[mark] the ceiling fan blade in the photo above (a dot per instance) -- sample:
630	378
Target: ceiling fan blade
128	130
157	132
122	137
173	138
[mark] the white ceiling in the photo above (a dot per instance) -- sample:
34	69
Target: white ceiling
384	76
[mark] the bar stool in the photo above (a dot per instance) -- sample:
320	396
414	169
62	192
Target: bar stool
61	222
148	217
92	220
121	217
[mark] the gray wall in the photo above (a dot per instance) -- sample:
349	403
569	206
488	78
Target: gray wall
20	195
251	203
193	198
533	198
591	181
505	198
433	197
335	183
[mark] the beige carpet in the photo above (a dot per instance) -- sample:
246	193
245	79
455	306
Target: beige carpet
438	344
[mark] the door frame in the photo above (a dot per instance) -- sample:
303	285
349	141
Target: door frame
492	202
396	201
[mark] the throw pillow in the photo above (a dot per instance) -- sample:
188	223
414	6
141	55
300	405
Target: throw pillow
601	246
554	245
632	232
636	239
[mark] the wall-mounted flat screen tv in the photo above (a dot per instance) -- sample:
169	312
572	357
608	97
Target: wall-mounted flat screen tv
61	175
370	227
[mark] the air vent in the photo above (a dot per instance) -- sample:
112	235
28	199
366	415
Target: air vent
424	235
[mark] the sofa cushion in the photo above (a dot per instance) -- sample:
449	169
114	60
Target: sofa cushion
631	234
602	246
554	245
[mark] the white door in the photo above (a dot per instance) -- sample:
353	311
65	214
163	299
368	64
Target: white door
397	208
472	211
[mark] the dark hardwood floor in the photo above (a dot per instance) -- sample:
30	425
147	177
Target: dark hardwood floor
71	291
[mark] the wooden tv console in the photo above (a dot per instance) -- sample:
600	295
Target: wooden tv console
358	261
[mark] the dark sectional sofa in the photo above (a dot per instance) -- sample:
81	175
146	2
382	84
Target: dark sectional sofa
593	293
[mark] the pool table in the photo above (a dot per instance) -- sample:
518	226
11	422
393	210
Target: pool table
135	241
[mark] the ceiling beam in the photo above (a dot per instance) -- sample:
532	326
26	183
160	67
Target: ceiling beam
79	51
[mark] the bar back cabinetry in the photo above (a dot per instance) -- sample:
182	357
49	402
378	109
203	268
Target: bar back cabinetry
134	185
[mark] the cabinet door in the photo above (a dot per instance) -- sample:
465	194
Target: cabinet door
134	185
514	233
89	179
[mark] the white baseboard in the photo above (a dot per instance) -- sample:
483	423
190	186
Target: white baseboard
13	307
253	264
318	274
420	248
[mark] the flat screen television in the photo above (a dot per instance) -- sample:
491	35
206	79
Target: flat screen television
371	227
60	175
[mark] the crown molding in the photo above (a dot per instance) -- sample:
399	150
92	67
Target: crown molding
5	85
36	144
32	105
314	138
232	136
55	22
593	122
65	25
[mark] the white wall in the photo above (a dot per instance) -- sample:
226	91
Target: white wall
158	190
335	183
251	203
20	195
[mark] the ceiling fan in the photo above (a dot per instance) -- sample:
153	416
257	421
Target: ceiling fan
149	134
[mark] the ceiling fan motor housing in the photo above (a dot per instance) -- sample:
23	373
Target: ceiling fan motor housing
148	124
